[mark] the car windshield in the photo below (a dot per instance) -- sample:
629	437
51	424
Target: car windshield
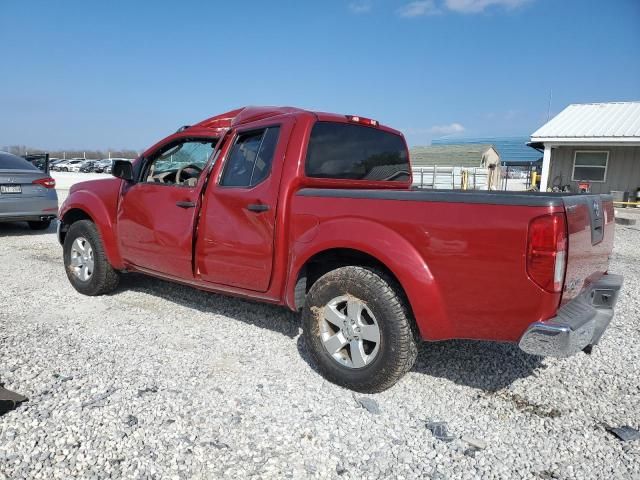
188	153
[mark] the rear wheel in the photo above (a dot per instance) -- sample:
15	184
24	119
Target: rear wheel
358	329
39	224
85	262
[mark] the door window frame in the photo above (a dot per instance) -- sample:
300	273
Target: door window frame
227	156
176	140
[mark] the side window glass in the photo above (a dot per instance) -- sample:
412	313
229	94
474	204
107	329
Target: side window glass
262	168
250	159
181	163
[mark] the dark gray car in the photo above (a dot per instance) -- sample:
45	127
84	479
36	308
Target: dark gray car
27	194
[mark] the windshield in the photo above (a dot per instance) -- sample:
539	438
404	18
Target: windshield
194	152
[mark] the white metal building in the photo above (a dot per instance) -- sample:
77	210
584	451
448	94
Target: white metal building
446	165
594	143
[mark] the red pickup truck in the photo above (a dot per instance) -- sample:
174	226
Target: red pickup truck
315	211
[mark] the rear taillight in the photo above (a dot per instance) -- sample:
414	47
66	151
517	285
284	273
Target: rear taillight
547	251
46	182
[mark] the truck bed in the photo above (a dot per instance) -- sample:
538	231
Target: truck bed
473	245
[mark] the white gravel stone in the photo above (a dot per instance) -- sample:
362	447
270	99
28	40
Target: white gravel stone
222	387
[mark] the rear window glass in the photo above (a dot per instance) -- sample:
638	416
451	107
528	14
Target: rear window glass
356	152
12	162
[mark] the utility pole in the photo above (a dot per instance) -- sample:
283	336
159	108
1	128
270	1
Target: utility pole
549	106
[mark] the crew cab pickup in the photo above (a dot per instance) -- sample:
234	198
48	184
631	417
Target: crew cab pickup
315	211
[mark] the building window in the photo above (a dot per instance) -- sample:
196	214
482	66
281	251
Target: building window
590	166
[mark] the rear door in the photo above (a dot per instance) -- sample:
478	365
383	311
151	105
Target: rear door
237	223
590	226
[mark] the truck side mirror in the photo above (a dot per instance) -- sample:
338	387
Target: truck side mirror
122	169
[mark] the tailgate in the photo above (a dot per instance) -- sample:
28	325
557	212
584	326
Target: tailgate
590	225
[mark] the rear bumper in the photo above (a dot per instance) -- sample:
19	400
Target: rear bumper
20	208
28	218
578	324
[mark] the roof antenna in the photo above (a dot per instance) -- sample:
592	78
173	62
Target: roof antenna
549	106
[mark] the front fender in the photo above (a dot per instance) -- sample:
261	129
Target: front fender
102	211
389	248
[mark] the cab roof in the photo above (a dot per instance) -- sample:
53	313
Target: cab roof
249	114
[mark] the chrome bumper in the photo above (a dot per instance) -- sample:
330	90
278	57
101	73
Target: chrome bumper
578	324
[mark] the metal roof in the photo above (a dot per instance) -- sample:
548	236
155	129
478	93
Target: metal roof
616	121
512	150
467	155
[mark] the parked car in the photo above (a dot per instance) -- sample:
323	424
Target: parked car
27	194
88	166
39	160
101	165
104	165
55	162
74	165
315	211
107	163
70	165
109	167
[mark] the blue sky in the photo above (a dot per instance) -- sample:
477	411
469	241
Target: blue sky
84	74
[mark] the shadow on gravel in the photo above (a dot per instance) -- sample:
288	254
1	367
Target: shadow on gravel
18	229
488	366
275	318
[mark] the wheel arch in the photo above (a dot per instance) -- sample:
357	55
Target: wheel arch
377	246
86	205
326	261
70	217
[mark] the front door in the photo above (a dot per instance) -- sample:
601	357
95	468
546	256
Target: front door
156	214
237	225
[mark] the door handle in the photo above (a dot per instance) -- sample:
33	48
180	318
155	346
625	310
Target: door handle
257	207
185	204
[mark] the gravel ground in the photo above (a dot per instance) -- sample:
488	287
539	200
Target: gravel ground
163	381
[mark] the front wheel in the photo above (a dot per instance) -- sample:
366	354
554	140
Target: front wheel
85	262
358	329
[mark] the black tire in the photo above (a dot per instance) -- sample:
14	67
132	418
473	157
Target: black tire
383	297
104	278
39	224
